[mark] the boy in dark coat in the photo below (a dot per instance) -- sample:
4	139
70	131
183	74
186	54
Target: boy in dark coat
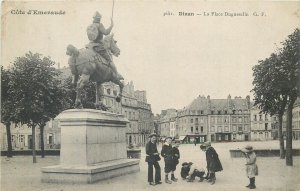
212	159
175	156
152	157
166	152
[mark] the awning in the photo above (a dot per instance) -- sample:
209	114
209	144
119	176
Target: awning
182	137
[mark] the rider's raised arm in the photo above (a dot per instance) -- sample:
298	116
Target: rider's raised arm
105	31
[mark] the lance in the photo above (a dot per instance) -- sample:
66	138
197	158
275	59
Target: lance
112	11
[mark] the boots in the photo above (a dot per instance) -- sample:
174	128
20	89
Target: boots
252	183
173	178
212	178
167	180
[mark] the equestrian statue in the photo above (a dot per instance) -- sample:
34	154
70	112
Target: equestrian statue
95	62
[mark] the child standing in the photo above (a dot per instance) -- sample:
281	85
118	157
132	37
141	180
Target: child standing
166	152
175	156
251	167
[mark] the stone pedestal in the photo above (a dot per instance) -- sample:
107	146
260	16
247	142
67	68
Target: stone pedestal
93	147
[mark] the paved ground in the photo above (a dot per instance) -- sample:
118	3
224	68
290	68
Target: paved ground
20	174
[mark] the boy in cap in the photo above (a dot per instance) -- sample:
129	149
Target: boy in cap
152	157
251	167
176	156
166	152
189	171
213	162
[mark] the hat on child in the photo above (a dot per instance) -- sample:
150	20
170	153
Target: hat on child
247	149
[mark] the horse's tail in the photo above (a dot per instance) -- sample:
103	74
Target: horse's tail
72	50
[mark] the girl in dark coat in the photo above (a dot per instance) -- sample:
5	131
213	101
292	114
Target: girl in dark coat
212	159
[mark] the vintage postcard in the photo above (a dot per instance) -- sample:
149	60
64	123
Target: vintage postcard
165	68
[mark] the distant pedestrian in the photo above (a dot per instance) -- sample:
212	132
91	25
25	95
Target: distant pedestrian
166	152
189	171
251	166
152	157
213	162
195	142
175	161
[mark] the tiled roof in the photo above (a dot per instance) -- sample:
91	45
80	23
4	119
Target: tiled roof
203	103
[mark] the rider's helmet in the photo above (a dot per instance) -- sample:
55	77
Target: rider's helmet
97	17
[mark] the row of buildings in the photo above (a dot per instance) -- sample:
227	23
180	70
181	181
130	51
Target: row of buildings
231	119
133	106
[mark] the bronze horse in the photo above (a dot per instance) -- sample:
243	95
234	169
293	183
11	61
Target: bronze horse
86	64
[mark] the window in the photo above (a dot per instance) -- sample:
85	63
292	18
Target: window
21	138
201	129
233	111
219	112
226	137
240	120
226	128
191	120
201	120
266	126
255	118
234	128
212	112
196	120
266	117
108	91
219	119
225	111
50	139
233	119
197	129
240	128
219	129
115	92
192	129
260	118
201	112
212	128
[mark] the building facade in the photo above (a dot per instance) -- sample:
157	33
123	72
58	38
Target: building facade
135	108
262	125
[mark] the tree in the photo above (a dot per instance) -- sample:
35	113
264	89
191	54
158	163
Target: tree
269	95
290	60
35	92
7	107
276	85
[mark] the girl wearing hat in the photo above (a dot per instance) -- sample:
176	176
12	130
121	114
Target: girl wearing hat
251	167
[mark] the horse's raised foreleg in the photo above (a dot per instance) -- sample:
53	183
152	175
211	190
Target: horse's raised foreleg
83	81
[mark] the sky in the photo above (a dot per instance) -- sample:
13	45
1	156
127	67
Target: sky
174	58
